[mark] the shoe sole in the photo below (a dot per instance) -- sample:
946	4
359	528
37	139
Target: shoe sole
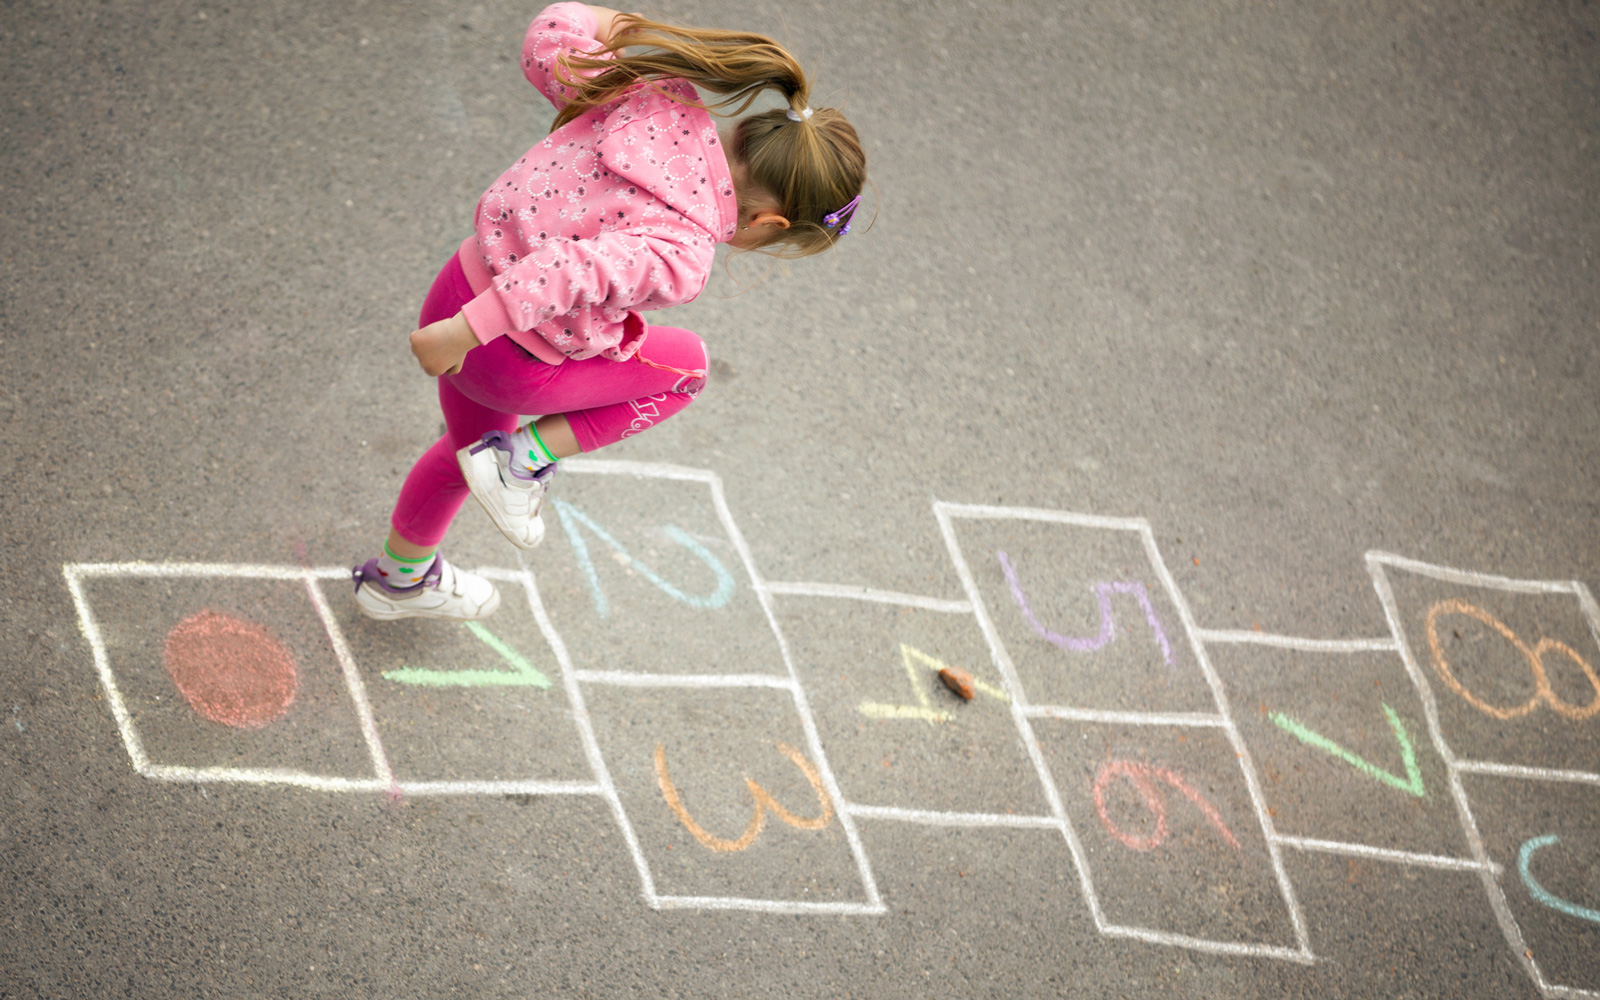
397	613
464	461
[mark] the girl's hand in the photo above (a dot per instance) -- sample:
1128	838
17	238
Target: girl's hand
440	347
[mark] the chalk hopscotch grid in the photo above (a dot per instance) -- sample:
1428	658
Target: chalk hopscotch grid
1378	565
382	779
1022	712
873	906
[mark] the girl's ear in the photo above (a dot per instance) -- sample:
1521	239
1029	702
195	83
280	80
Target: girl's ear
770	218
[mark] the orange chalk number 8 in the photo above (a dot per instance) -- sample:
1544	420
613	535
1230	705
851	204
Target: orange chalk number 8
1542	691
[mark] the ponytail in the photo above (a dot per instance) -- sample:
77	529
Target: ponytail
811	162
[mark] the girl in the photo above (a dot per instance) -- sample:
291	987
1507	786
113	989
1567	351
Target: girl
617	211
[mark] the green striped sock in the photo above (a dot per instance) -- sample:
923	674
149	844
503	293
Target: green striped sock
398	572
528	452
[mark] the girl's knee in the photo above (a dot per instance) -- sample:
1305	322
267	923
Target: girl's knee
682	350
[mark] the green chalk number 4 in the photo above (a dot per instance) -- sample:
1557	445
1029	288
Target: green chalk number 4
521	674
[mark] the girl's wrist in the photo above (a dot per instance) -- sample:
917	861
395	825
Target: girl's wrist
605	19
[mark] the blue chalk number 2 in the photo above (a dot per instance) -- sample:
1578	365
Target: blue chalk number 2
571	520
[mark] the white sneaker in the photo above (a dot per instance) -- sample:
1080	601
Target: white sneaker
511	503
445	592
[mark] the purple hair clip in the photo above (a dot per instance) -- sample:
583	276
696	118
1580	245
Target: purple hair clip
847	213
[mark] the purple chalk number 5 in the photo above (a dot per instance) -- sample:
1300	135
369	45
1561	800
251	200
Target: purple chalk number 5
1108	627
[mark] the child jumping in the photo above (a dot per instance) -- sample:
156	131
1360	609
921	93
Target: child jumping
616	212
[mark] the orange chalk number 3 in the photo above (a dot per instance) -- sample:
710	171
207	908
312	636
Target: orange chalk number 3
764	803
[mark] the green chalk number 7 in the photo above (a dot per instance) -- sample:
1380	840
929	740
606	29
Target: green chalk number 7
521	674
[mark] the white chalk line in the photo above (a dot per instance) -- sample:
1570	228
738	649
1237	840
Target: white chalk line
1247	765
183	569
1300	955
102	664
855	593
500	575
1430	705
1376	568
624	678
1195	719
986	512
930	817
509	787
1253	638
644	470
802	704
1385	854
262	776
352	680
944	514
1471	578
1523	771
250	571
797	907
591	746
328	783
1591	610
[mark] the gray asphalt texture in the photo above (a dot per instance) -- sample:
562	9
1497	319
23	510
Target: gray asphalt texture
1292	282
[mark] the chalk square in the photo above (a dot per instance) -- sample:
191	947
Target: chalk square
710	743
1169	867
468	701
318	735
1474	641
1556	903
640	573
1046	584
1397	931
896	736
1291	704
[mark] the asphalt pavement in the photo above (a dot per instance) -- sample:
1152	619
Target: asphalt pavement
1217	385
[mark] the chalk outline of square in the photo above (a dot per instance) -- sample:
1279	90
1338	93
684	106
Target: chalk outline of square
383	778
678	473
1378	565
928	817
1022	712
1236	637
572	678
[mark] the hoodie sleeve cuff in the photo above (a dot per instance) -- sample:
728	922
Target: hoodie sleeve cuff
487	316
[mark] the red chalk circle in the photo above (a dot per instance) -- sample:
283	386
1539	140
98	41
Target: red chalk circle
231	671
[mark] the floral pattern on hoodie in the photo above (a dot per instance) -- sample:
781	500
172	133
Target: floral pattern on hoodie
617	212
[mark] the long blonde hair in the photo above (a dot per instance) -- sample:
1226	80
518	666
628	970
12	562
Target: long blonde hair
813	167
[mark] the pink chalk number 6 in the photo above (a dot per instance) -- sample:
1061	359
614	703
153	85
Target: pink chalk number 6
1143	777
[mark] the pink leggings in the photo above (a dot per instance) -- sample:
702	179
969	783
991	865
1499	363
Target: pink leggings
604	402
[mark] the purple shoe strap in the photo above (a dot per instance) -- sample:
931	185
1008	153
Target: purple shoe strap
542	476
493	439
368	573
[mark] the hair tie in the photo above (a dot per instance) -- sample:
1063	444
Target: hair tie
846	213
797	116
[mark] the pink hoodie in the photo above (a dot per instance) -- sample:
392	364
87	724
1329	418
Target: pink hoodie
618	211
